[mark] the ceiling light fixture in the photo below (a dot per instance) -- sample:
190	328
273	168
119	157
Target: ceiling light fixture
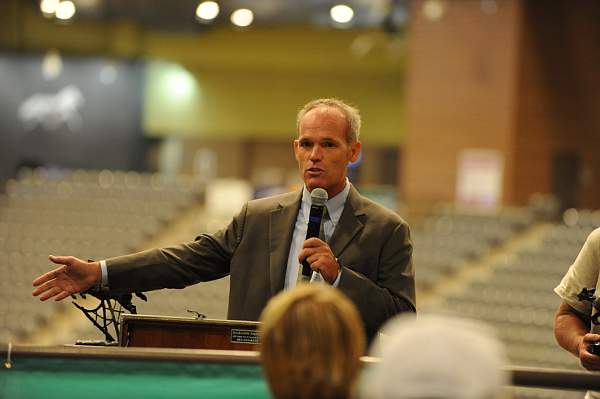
242	17
341	13
207	10
48	7
65	10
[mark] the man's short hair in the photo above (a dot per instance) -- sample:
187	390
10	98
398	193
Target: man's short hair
435	356
350	113
312	338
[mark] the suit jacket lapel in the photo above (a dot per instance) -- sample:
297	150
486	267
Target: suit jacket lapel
349	224
281	229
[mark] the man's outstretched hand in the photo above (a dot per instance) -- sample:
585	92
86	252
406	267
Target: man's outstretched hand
71	277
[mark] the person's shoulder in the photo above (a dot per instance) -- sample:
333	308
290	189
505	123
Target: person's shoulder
378	212
594	236
273	202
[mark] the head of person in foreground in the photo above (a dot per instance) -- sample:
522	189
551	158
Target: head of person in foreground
311	342
437	357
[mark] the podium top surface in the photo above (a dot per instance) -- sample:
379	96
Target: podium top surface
186	320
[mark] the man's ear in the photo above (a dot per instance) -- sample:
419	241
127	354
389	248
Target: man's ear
296	145
355	149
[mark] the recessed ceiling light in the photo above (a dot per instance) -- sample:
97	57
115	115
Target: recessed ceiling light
49	6
341	13
65	10
207	10
242	17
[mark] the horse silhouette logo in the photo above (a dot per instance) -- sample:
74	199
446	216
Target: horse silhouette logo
52	111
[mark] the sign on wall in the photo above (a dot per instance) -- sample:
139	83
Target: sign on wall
70	112
479	178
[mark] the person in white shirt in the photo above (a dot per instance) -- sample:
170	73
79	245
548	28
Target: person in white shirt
573	327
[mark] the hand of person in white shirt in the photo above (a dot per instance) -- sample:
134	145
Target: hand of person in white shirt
587	359
320	258
73	276
572	332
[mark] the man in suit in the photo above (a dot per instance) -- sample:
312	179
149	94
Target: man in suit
366	251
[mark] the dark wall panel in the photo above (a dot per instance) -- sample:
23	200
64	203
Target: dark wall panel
88	116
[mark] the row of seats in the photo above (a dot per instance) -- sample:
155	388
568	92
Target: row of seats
516	296
88	214
452	236
105	179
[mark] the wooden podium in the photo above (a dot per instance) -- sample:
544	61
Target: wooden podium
184	332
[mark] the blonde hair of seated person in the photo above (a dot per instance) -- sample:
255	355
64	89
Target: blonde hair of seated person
311	342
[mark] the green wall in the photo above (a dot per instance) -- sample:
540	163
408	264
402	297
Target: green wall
251	83
262	103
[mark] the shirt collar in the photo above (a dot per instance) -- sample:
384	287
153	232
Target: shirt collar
334	205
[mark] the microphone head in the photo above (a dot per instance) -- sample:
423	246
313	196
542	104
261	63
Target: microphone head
318	196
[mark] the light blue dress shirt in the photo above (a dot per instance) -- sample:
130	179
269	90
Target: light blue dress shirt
335	206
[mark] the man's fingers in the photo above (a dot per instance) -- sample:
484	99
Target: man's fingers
591	338
305	253
44	278
60	260
50	293
312	246
313	242
61	296
313	252
43	288
315	264
590	362
40	290
318	262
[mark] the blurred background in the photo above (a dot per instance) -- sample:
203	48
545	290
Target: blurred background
126	124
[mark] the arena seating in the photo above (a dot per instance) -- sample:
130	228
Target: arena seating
515	296
452	236
98	214
88	214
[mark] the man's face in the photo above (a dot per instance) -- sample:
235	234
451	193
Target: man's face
322	151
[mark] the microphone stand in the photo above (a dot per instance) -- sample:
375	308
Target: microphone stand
107	313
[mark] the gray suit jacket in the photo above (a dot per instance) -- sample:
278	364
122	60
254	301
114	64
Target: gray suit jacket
371	243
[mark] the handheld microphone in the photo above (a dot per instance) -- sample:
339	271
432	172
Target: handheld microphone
318	197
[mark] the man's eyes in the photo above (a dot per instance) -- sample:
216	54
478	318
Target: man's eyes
326	144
